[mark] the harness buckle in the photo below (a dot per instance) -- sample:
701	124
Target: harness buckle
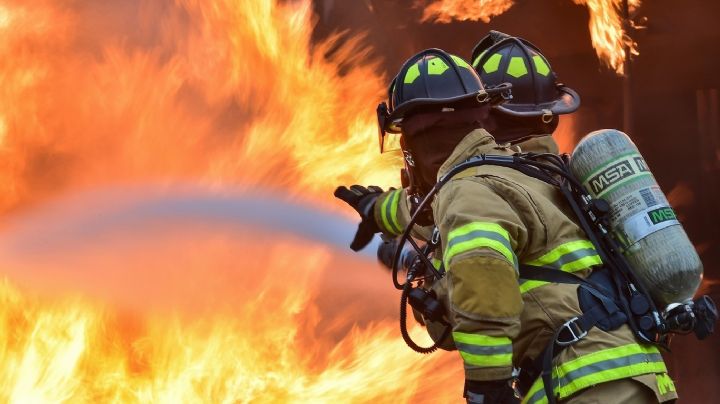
575	331
435	239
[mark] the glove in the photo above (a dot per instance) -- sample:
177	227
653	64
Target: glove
362	200
490	392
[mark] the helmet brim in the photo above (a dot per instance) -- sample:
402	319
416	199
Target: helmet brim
566	103
494	96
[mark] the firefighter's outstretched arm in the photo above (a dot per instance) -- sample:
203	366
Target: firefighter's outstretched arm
480	236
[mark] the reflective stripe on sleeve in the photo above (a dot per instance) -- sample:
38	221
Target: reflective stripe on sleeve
599	367
569	257
479	235
482	350
388	212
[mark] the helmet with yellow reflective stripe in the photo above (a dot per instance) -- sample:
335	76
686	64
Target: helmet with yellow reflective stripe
434	80
500	58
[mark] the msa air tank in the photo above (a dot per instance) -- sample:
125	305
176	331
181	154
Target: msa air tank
609	166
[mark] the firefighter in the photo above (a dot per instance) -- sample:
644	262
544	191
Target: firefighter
492	219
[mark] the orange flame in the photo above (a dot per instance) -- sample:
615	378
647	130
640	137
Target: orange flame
257	339
221	93
445	11
606	24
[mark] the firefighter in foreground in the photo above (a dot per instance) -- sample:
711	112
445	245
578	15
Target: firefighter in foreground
492	219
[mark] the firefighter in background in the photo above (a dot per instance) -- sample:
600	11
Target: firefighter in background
493	218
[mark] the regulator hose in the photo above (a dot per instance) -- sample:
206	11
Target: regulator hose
403	326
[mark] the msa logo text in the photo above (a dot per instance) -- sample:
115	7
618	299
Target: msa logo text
611	175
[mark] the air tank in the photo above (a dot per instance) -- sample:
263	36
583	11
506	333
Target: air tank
609	166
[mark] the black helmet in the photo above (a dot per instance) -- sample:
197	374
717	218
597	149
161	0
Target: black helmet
433	80
500	58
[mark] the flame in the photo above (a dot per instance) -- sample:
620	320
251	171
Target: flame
565	134
609	39
258	340
221	93
445	11
607	33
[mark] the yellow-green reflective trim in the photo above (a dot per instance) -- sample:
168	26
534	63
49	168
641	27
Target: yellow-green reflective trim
604	354
436	263
540	66
460	62
664	383
385	209
517	67
393	211
569	257
582	263
537	386
492	64
412	73
484	341
605	375
557	252
478	339
530	285
610	374
436	66
487	360
499	242
476	62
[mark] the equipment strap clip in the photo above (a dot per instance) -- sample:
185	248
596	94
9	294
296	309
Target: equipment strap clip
547	116
576	332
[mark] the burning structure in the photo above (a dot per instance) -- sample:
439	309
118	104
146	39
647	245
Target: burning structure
98	97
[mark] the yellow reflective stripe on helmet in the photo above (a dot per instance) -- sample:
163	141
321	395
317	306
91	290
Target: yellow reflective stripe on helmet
388	212
476	62
492	64
483	350
412	73
479	235
517	67
460	62
569	257
599	367
436	66
540	65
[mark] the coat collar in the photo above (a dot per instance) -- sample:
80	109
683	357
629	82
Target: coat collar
480	141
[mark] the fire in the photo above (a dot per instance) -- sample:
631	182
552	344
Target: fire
227	94
607	33
110	313
268	347
223	92
446	11
566	134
